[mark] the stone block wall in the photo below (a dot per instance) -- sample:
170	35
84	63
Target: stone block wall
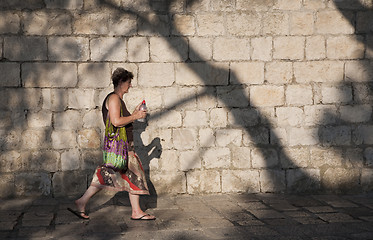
243	95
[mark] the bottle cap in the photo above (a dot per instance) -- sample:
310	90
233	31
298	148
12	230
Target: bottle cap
143	102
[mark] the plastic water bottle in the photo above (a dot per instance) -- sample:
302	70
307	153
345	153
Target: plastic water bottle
142	107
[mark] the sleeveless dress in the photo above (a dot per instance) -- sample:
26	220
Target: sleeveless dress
120	171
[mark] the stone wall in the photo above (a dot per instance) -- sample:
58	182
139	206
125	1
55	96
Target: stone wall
244	95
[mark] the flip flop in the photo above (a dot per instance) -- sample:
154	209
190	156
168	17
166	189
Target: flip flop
78	214
142	218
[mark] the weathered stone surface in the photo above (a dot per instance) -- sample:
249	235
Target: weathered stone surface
184	138
303	180
299	95
318	71
232	96
45	160
315	48
195	119
274	96
183	25
64	139
303	136
156	74
81	98
47	23
342	47
240	181
292	116
32	184
64	5
272	181
190	160
332	22
225	49
138	49
341	179
68	49
69	183
89	138
264	158
203	182
10	161
200	48
210	24
172	183
247	73
93	75
173	49
288	48
224	137
216	158
10	72
261	48
27	48
336	94
243	24
279	72
218	117
70	160
9	22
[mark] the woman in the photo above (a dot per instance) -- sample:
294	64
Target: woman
122	169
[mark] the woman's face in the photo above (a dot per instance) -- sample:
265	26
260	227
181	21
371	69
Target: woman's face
125	86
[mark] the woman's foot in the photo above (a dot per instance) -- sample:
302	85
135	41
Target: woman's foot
81	209
142	216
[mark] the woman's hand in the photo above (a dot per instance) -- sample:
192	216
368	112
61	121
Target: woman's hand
137	113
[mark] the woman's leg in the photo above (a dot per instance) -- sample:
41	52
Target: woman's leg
82	202
136	209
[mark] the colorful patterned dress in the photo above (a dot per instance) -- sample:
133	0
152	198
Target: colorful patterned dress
120	171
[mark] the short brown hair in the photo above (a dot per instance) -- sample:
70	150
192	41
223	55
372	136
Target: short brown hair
120	75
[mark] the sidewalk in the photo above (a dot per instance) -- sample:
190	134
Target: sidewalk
233	216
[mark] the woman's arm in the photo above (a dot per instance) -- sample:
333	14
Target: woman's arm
114	107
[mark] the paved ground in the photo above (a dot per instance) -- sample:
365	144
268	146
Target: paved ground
253	216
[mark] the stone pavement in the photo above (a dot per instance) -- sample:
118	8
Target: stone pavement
184	217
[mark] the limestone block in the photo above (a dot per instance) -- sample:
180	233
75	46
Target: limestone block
254	5
168	119
345	47
279	72
315	47
291	47
230	49
369	51
81	98
190	160
94	75
363	134
301	23
6	120
241	157
226	5
195	119
320	115
67	120
35	139
294	157
108	49
218	118
339	135
318	71
324	157
93	119
278	136
60	4
46	160
10	74
180	98
255	135
47	23
153	25
32	184
358	71
247	73
368	155
91	23
40	119
266	115
341	180
10	139
166	138
69	183
362	93
367	179
89	138
206	98
303	136
169	161
299	95
184	138
7	187
225	137
210	24
314	4
169	184
170	49
216	158
261	48
9	22
156	74
121	24
276	23
289	116
232	96
204	73
200	182
54	99
303	180
90	159
62	139
264	158
354	157
10	161
356	113
183	25
200	48
243	117
240	181
138	49
272	181
70	160
288	5
243	23
28	48
49	75
333	22
264	96
339	94
19	99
